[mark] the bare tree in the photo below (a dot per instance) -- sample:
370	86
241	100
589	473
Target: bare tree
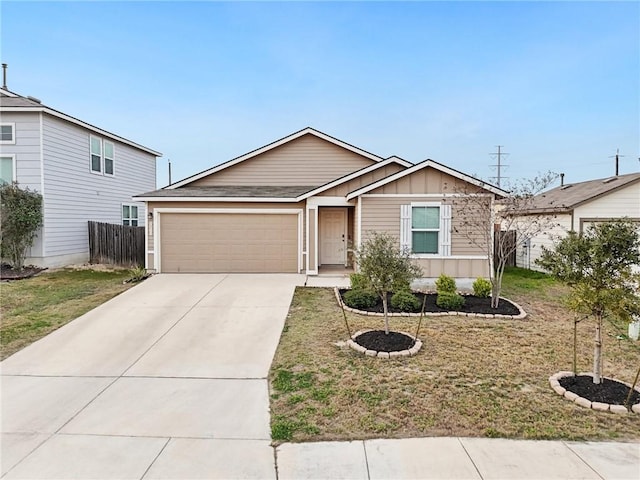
477	220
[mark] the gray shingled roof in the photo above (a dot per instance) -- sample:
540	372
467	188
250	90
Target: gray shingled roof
232	192
570	195
18	102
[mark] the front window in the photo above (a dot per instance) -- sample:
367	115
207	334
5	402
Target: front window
425	229
7	170
7	133
130	215
96	155
108	158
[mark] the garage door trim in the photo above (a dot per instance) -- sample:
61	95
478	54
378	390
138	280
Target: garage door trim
157	221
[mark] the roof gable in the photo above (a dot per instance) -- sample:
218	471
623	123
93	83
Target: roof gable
423	166
283	143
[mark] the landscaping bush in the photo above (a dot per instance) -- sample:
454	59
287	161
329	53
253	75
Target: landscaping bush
359	298
482	288
406	301
450	301
358	281
401	286
446	284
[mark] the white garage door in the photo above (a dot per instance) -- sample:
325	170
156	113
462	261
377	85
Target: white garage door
228	242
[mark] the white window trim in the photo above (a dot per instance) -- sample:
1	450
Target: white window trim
13	133
444	229
102	157
122	218
14	165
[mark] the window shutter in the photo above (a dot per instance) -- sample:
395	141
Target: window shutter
445	230
405	227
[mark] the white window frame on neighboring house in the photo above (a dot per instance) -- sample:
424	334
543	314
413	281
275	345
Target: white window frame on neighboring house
12	140
107	160
12	159
443	231
127	218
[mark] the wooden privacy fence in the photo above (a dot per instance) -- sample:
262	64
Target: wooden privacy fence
116	244
508	239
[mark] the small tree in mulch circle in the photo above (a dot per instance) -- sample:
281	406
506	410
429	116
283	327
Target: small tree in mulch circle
20	217
384	265
598	265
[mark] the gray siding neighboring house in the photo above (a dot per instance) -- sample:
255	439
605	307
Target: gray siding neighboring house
51	153
576	206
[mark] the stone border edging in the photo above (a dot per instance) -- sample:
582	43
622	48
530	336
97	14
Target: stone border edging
583	402
521	316
373	353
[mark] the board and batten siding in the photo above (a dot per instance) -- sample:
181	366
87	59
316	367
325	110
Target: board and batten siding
361	181
218	205
26	151
305	161
427	180
382	214
74	195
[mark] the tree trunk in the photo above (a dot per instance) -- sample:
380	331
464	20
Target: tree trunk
597	352
386	316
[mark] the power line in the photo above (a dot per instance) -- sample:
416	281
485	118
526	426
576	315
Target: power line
499	165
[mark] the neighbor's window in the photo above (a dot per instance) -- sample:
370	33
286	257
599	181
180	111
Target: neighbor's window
96	155
7	170
108	158
130	215
425	229
6	133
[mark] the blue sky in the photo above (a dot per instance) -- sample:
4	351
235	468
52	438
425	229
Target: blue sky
556	83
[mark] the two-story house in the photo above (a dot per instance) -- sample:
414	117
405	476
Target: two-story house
83	173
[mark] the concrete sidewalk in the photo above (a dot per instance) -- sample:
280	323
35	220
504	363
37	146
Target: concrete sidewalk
169	381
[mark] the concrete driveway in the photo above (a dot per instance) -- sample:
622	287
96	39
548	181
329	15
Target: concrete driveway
167	380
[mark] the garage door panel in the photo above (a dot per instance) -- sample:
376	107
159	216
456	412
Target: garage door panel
220	242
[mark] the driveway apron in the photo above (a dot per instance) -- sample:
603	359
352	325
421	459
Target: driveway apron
167	380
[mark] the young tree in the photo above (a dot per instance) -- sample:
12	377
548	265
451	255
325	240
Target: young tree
477	222
20	218
598	265
384	266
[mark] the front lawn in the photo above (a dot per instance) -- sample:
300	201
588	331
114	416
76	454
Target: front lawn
34	307
473	377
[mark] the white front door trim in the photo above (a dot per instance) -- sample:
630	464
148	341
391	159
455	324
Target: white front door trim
345	233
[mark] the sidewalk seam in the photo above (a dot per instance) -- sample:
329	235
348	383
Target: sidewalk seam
470	458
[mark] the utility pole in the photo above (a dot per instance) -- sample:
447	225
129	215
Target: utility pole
617	157
499	165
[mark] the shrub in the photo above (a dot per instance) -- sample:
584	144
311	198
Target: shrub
405	300
401	286
450	301
358	281
360	299
445	283
21	217
482	288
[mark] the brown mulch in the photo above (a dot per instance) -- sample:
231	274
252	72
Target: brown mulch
7	272
608	391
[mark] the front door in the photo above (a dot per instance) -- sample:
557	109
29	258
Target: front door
333	232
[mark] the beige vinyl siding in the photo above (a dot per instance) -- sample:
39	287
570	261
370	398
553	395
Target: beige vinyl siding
382	214
624	202
427	180
362	181
307	160
207	205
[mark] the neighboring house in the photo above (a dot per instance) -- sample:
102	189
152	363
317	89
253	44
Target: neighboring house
83	173
575	206
303	203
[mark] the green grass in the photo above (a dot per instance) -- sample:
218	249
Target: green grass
34	307
473	377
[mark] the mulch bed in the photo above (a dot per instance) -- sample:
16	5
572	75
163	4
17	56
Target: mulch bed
608	391
8	273
380	341
472	304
